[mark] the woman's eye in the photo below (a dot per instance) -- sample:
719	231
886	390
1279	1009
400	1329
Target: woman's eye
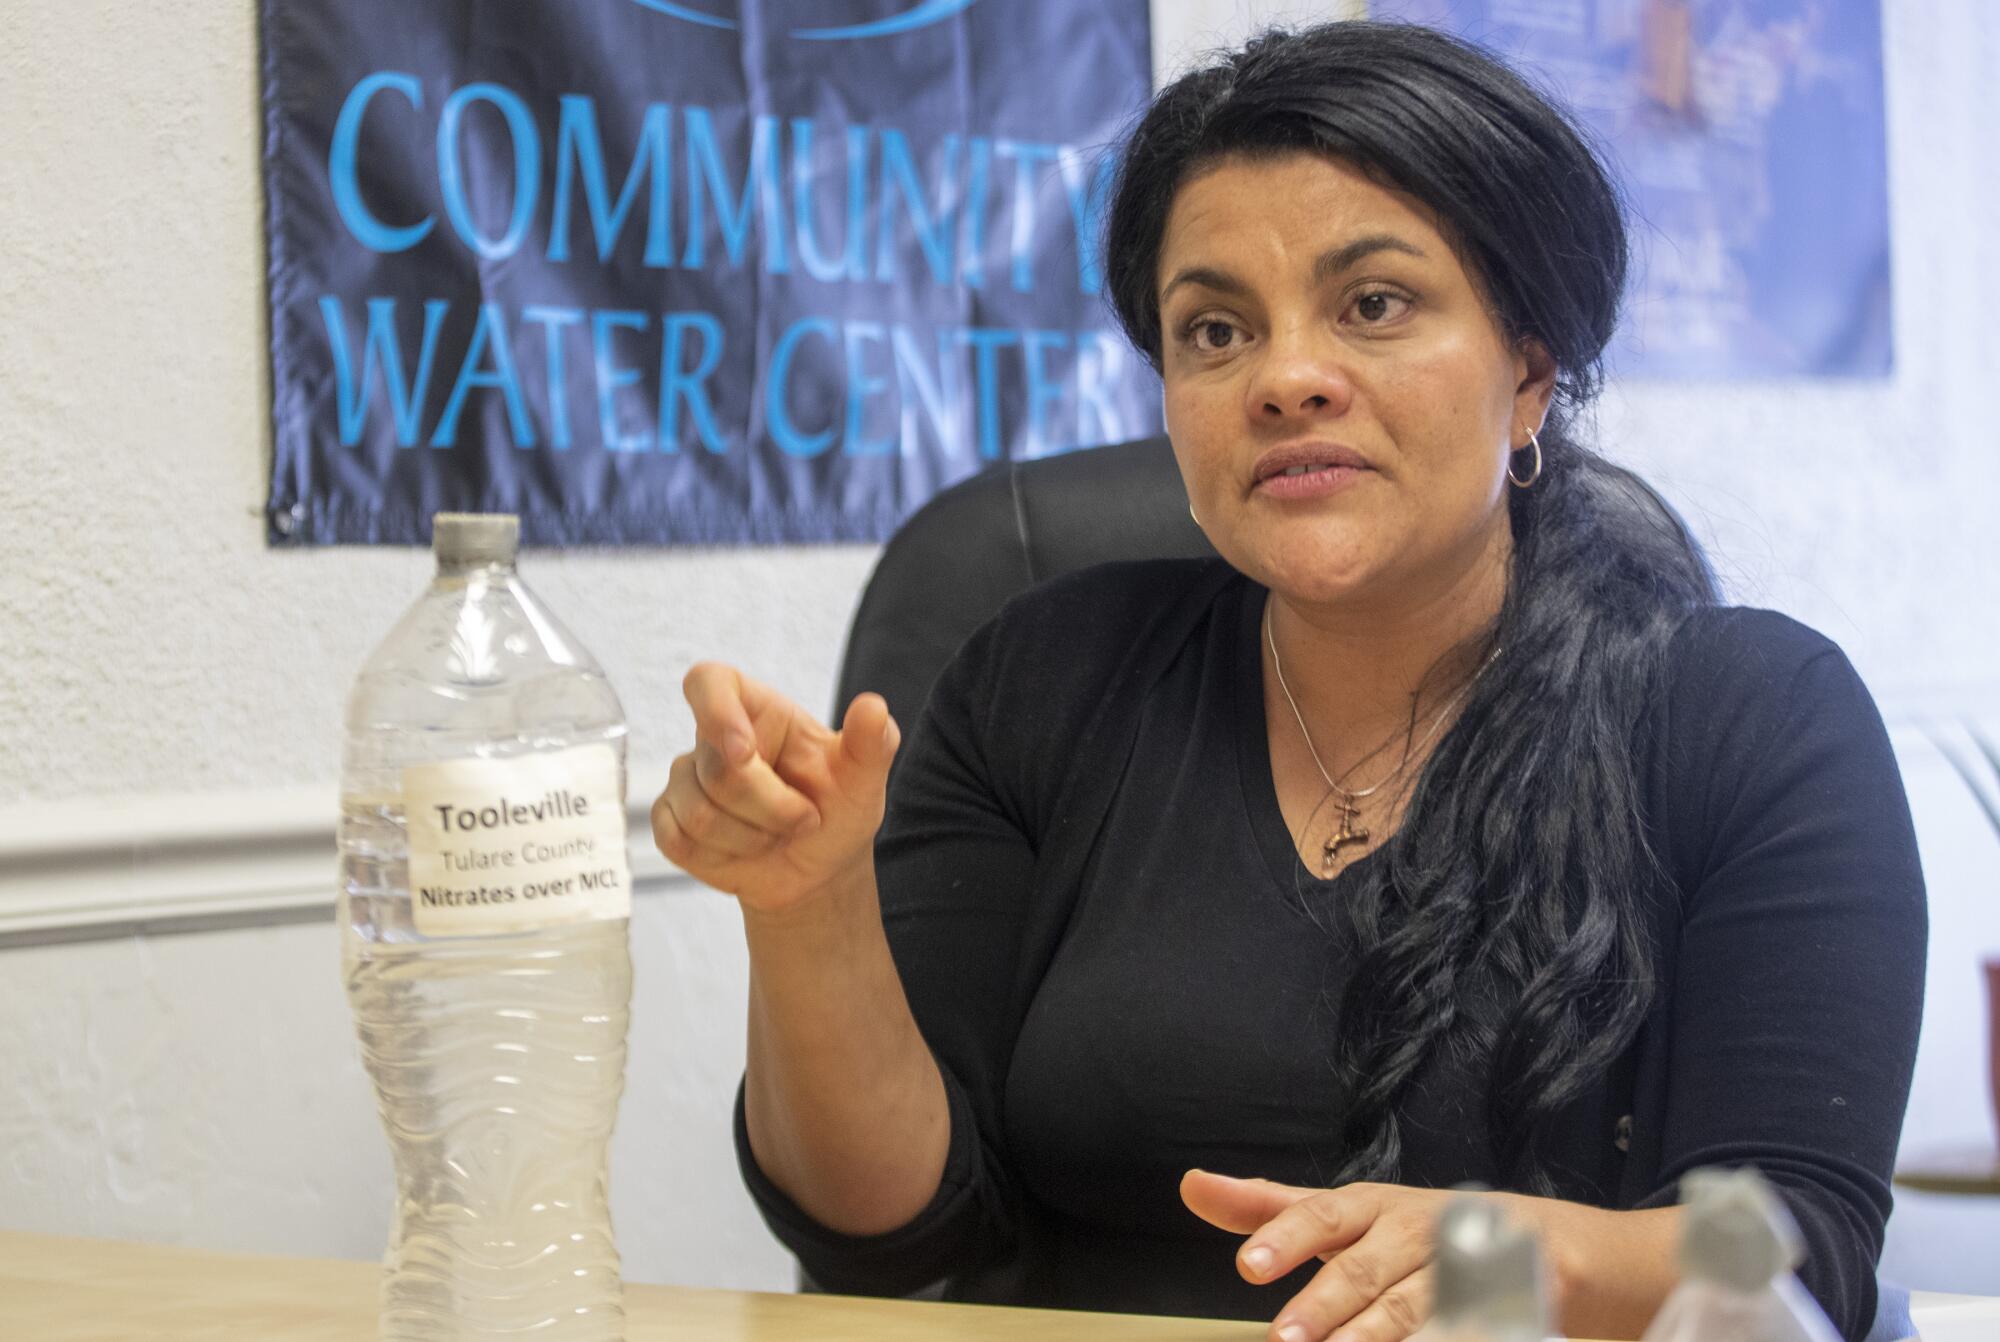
1212	334
1380	308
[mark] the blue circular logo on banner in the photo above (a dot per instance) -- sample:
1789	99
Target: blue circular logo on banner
920	15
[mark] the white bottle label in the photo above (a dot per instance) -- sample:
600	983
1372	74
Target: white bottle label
510	845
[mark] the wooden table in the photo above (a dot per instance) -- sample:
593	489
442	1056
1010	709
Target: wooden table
84	1290
1973	1170
80	1290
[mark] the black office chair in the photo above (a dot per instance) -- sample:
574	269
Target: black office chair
958	558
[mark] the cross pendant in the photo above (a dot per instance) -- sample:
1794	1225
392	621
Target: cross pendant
1347	835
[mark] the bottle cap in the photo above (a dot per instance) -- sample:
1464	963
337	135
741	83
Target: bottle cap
475	538
1488	1272
1737	1232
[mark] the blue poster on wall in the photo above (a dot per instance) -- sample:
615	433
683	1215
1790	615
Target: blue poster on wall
1749	137
651	272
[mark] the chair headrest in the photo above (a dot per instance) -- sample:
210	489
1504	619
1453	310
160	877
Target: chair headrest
961	556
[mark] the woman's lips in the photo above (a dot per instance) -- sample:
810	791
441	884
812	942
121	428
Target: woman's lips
1313	483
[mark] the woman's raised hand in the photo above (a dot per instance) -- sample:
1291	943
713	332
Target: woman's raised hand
771	806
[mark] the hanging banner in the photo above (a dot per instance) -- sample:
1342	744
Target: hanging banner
1748	136
648	273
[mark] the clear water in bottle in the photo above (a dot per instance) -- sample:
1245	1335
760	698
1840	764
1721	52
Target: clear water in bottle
485	775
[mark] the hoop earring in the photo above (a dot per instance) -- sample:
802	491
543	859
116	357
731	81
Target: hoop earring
1533	475
1197	520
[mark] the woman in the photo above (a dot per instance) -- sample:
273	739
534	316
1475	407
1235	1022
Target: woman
1445	830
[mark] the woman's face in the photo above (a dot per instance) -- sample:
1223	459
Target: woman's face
1316	323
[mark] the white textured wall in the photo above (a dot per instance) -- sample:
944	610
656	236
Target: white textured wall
203	1088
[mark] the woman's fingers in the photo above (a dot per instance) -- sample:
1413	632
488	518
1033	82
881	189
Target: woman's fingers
706	824
1237	1205
1318	1225
751	791
731	765
716	693
868	741
1396	1313
770	805
1365	1291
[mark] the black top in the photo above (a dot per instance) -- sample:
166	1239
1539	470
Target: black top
1125	971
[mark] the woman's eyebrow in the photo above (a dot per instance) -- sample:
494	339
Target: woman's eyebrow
1209	278
1343	258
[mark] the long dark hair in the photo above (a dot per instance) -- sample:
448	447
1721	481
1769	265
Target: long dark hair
1522	853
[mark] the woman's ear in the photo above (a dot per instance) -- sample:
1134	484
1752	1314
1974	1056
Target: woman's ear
1534	382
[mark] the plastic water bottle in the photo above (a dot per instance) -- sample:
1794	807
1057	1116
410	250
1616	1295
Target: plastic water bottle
484	901
1488	1278
1738	1248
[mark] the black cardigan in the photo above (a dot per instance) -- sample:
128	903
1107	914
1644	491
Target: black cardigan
1123	972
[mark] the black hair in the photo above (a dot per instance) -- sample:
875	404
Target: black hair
1521	858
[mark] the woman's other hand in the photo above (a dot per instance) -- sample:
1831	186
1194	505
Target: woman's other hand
1608	1271
771	806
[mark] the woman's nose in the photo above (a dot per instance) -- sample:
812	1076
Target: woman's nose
1300	378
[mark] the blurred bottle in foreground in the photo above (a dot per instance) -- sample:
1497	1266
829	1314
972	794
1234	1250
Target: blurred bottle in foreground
1488	1275
1738	1248
484	900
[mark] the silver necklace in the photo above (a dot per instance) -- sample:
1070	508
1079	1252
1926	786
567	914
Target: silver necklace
1349	801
